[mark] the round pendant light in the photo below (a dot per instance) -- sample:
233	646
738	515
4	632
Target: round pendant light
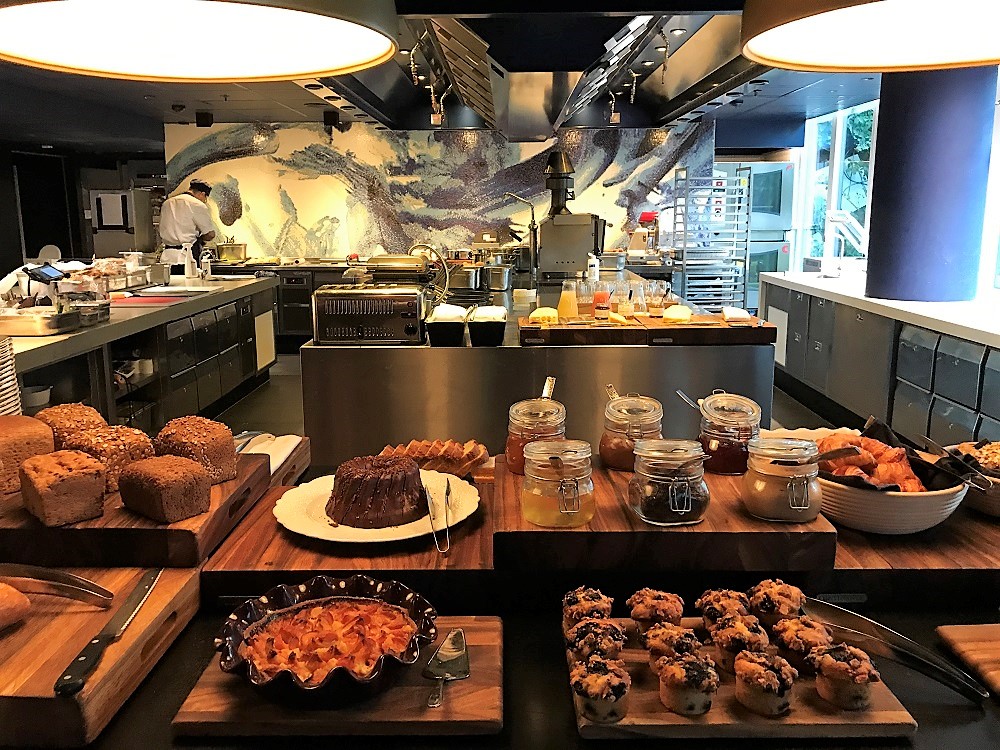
856	36
199	41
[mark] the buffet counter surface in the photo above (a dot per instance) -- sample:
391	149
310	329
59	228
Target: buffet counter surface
973	321
31	352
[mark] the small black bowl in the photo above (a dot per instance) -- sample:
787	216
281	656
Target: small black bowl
446	333
341	686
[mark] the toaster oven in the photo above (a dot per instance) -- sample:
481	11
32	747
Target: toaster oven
369	314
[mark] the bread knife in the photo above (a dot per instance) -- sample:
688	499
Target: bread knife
75	676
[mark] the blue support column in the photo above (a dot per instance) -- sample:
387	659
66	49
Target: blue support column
928	198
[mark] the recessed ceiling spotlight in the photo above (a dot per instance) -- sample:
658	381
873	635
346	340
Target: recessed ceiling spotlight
649	63
678	31
662	48
421	77
760	82
428	86
333	98
348	106
314	104
406	52
314	86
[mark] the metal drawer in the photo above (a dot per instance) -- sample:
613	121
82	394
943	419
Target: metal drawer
817	364
182	395
209	382
958	370
230	369
911	409
777	296
989	429
860	377
228	319
821	319
248	357
990	402
915	356
798	334
206	335
180	346
952	423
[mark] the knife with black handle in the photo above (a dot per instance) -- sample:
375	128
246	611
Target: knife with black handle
75	676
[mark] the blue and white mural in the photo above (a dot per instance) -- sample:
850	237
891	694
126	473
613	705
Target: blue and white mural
292	190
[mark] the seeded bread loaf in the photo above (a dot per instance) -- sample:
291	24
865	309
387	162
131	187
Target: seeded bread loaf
63	487
166	488
115	446
20	438
65	419
203	440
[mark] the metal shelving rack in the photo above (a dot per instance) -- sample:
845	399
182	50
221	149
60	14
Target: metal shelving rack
711	238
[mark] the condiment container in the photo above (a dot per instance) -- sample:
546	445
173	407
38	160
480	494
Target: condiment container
728	423
627	419
534	419
668	487
778	492
558	488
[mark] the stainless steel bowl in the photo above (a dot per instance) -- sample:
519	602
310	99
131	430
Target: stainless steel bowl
497	278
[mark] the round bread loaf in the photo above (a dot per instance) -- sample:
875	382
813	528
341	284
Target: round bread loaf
203	440
375	493
65	419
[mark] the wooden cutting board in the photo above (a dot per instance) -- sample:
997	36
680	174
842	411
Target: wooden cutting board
36	652
810	715
708	330
978	646
565	334
226	705
123	538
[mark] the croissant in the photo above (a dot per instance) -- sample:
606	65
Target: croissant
877	464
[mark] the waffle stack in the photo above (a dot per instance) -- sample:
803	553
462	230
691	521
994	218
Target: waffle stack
446	456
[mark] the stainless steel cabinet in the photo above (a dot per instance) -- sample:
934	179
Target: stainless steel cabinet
860	375
180	351
958	371
952	423
915	356
819	343
911	411
209	382
798	334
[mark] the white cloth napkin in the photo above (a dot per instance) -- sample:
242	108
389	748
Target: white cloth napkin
277	449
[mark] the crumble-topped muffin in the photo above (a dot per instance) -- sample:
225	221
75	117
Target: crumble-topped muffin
688	683
666	639
844	675
736	633
715	603
601	687
764	682
651	606
596	636
797	636
584	602
772	600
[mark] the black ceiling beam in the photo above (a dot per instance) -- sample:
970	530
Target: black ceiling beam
490	8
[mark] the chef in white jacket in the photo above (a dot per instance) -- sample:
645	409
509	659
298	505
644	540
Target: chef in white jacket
186	224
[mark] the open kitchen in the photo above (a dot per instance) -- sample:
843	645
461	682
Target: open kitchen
499	376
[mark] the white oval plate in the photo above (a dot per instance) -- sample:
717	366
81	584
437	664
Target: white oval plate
303	510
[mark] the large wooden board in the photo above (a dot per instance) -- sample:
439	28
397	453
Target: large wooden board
705	330
37	652
810	715
123	538
225	705
728	538
978	646
565	334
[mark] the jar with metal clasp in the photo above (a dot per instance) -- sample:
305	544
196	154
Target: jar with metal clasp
626	420
781	482
668	487
558	486
534	419
728	423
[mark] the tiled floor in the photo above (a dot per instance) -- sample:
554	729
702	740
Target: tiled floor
277	406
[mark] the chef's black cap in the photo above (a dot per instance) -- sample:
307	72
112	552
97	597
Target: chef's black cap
201	187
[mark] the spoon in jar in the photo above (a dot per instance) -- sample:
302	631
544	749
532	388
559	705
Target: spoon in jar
688	400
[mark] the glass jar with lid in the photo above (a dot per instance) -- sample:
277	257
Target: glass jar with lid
627	419
781	482
728	423
668	487
534	419
558	487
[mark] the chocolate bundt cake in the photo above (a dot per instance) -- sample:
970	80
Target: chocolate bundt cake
375	493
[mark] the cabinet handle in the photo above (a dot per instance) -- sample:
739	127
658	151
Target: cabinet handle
818	346
860	318
797	337
798	297
821	302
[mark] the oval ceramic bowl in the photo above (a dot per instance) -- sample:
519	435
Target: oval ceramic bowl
888	512
341	684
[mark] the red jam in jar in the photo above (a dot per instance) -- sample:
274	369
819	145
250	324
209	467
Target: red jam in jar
627	419
728	423
534	419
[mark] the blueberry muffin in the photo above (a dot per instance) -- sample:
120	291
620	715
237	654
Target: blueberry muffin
715	603
665	639
844	675
688	683
581	603
764	683
773	600
596	636
736	633
600	689
796	637
650	606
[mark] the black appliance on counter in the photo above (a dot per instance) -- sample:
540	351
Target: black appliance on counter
369	314
565	240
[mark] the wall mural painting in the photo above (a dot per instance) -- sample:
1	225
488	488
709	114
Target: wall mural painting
292	190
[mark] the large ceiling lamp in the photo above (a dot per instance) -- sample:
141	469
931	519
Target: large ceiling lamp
854	36
199	41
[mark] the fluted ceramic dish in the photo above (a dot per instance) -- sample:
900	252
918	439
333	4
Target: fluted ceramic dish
341	684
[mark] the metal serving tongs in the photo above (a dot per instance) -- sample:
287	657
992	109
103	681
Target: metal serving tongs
447	523
980	480
877	639
31	579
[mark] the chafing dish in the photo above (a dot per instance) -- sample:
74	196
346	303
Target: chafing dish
369	314
31	322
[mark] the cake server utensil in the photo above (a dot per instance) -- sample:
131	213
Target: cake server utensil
450	662
75	676
898	647
31	579
447	521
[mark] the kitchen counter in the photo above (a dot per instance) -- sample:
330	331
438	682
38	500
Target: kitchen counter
973	321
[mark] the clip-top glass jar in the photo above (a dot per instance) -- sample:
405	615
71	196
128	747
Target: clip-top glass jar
787	491
627	419
534	419
728	423
668	487
558	488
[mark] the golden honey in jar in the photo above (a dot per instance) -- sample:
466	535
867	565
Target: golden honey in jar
781	483
534	419
626	420
728	423
558	486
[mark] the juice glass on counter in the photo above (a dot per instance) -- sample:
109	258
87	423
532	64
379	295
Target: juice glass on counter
602	300
585	298
568	307
534	419
558	487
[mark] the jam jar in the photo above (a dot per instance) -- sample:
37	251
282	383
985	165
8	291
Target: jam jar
668	487
782	492
534	419
558	489
728	422
627	419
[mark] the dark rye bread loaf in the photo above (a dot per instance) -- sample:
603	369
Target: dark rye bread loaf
203	440
115	446
63	487
375	493
20	438
166	488
65	419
